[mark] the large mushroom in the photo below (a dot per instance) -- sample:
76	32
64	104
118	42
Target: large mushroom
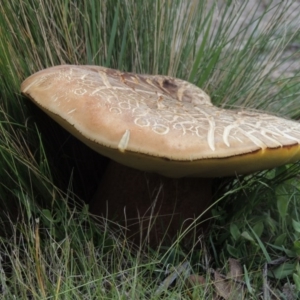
166	138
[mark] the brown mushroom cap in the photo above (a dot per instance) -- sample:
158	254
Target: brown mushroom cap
161	124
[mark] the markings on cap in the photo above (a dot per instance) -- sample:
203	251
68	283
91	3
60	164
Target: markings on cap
122	146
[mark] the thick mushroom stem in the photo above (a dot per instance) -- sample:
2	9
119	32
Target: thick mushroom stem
153	208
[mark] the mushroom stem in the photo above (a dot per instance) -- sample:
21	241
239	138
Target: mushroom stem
153	208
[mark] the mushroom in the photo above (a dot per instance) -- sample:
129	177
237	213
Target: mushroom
166	138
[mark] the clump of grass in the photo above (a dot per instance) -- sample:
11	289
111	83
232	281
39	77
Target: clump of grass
50	247
262	229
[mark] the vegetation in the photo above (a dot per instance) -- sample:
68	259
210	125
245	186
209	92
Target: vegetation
50	247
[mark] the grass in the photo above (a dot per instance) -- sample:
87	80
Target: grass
50	248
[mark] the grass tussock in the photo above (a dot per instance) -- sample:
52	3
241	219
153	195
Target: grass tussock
50	248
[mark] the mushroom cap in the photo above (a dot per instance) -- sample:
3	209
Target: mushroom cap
161	124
